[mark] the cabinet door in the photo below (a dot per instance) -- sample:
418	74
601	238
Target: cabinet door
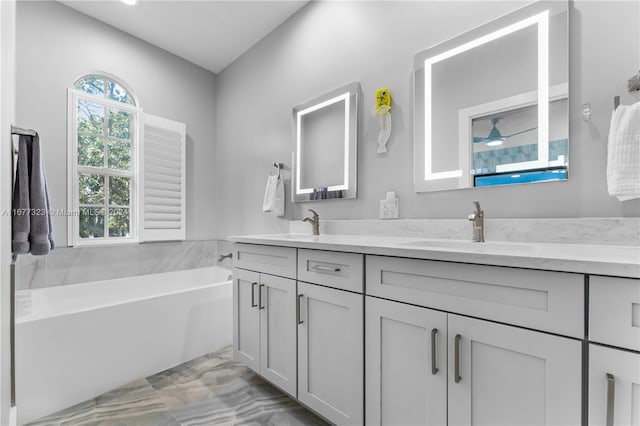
406	364
330	353
277	306
502	375
246	318
614	387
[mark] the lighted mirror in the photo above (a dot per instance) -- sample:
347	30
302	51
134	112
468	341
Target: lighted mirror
326	140
490	106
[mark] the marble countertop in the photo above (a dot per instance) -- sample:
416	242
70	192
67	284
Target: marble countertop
622	261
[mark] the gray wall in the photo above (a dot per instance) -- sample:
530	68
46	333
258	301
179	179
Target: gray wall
56	45
329	44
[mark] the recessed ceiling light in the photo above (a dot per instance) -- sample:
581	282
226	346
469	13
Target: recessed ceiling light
129	2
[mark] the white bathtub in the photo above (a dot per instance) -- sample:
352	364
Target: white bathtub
75	342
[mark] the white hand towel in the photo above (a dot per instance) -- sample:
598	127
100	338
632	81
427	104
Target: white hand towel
623	162
278	201
270	193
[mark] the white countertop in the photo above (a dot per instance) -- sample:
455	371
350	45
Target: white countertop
622	261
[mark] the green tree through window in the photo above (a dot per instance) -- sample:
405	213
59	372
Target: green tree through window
104	142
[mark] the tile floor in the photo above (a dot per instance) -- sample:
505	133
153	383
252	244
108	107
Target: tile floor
209	390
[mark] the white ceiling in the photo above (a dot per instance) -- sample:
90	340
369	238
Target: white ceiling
209	33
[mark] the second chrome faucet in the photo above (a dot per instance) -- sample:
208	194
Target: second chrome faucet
315	222
477	217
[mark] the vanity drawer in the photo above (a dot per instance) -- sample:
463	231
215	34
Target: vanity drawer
272	260
614	311
541	300
334	269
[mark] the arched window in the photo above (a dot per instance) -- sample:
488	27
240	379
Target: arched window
103	135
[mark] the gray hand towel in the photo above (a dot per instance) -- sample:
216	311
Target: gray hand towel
32	231
21	221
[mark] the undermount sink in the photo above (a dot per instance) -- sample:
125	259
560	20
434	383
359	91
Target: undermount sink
492	246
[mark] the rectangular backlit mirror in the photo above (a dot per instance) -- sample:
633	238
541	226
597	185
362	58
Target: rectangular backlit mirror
490	106
326	140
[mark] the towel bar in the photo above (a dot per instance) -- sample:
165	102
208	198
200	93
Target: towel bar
20	131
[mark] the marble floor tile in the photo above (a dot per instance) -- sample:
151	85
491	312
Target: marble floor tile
210	390
130	405
78	413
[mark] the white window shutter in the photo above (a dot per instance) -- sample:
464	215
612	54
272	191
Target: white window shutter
162	179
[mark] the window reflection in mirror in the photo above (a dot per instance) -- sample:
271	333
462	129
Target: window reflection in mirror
505	143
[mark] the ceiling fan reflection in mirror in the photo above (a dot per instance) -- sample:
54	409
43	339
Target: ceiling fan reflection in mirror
495	138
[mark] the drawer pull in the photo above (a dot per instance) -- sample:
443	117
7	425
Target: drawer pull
253	295
325	268
456	365
434	368
611	397
260	305
298	319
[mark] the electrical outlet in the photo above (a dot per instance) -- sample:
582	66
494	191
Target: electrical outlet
389	209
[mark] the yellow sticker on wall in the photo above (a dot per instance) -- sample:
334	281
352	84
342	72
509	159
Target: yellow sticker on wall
383	101
383	111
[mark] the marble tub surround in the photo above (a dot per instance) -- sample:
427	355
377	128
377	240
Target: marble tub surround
623	261
604	231
209	390
72	265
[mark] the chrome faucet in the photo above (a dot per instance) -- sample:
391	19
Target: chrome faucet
477	217
315	222
225	256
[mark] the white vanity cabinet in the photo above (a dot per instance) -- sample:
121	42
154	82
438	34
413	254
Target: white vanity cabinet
330	335
304	336
614	370
264	311
438	342
470	371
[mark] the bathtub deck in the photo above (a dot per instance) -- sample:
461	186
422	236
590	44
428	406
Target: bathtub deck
210	390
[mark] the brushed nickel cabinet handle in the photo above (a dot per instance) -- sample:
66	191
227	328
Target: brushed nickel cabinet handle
253	295
434	368
456	365
299	300
611	398
260	305
325	268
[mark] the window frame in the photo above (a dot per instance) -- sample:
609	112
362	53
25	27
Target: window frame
74	169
